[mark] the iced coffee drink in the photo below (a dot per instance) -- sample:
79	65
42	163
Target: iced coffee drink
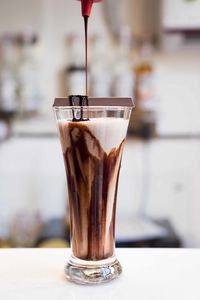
92	139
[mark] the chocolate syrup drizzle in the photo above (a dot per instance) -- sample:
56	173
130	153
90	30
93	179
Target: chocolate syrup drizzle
78	101
86	54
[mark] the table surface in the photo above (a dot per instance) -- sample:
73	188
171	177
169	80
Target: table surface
150	274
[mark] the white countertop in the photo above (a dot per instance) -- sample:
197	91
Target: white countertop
149	274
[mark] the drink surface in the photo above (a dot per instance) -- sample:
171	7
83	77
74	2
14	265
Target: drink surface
92	153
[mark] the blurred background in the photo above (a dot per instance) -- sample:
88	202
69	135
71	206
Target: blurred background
147	49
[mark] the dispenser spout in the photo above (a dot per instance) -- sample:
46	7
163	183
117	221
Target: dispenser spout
87	6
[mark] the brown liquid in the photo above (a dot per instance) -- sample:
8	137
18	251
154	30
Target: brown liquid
80	100
86	54
92	185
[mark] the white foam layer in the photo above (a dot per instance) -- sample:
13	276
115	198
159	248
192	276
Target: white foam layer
110	132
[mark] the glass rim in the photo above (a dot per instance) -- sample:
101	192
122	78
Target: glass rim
93	107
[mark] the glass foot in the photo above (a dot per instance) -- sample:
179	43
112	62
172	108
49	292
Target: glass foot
92	272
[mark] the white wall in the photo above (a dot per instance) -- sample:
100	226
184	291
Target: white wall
181	14
177	78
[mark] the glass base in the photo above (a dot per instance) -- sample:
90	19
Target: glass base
92	272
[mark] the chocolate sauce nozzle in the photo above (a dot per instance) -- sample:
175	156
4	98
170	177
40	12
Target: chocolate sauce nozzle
87	6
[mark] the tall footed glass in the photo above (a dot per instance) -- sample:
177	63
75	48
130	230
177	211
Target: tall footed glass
92	139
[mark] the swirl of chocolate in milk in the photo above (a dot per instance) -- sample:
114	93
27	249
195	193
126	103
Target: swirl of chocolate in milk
92	175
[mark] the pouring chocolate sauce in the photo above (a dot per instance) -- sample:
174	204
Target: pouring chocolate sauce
86	6
79	100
